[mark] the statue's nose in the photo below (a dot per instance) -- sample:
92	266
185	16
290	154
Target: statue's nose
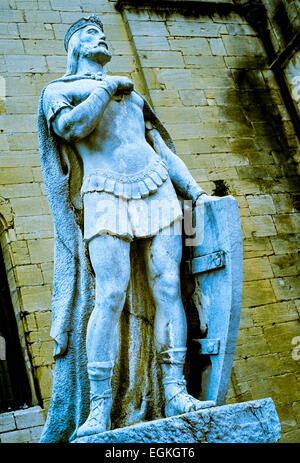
102	42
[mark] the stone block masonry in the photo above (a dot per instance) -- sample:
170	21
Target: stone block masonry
208	80
22	426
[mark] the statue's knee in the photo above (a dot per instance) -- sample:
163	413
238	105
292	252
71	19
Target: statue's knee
168	286
111	291
117	299
112	299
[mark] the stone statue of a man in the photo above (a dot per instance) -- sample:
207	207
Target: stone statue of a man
129	175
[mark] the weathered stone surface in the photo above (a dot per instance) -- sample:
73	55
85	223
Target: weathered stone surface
33	63
19	190
257	268
286	288
248	422
257	293
22	426
285	265
28	207
7	422
28	275
29	417
21	436
190	46
259	225
262	204
41	250
164	59
34	227
217	47
195	29
35	434
280	311
35	31
148	28
36	298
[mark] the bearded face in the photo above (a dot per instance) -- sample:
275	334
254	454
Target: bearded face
88	42
93	45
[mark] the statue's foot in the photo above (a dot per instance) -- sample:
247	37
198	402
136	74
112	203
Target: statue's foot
185	403
98	420
178	401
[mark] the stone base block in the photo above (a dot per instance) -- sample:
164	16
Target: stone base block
247	422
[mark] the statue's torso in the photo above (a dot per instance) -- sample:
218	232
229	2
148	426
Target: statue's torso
118	143
116	156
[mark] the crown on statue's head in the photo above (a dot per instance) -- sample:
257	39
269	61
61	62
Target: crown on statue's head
80	24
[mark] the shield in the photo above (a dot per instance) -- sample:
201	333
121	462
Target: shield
213	289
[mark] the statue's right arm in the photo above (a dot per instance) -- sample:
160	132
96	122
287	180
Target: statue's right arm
73	124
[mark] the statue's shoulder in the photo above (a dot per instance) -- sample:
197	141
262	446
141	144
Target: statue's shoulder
56	96
56	87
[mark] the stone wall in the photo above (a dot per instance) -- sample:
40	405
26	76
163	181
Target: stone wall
208	80
284	21
22	426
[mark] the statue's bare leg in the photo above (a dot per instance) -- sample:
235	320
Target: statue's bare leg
110	258
163	256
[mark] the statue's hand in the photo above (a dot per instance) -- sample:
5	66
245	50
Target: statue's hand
125	85
61	344
118	84
204	198
197	195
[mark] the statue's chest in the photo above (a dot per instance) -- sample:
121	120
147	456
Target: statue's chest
124	113
82	89
122	108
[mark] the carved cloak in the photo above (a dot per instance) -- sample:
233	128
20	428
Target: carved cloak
137	394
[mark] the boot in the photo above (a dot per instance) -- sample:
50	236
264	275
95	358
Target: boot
178	401
98	421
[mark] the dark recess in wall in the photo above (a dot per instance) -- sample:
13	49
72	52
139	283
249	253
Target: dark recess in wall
221	188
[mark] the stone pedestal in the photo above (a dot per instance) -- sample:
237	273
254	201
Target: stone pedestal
247	422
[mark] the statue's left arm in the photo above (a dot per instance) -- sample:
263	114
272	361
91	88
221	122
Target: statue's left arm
179	173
